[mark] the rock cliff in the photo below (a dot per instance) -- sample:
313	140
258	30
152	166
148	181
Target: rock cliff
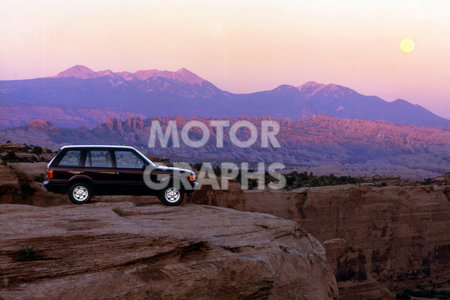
153	251
400	233
379	241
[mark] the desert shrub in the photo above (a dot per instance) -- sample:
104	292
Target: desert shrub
217	171
118	211
26	189
197	166
427	181
27	253
361	275
252	183
39	178
344	274
5	282
12	158
423	293
296	180
37	150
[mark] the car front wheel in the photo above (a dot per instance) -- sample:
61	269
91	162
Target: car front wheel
80	193
171	196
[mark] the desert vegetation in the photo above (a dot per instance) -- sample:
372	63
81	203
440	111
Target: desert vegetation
27	252
294	179
18	153
118	211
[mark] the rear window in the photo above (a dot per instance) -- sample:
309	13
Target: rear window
98	159
70	159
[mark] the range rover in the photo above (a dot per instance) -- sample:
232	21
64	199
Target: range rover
82	171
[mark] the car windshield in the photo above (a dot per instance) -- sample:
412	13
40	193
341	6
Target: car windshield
145	158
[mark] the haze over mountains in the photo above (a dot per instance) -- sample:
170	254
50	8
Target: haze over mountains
321	144
80	96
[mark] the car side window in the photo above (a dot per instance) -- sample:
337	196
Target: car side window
98	159
70	159
128	159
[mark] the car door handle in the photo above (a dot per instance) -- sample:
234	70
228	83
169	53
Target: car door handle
113	173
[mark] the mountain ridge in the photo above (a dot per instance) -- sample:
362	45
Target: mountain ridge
83	72
165	93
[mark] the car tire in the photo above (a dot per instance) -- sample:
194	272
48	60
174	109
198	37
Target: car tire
80	193
171	196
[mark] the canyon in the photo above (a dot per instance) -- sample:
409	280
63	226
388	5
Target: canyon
379	240
318	144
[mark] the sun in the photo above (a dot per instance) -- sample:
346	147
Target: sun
407	45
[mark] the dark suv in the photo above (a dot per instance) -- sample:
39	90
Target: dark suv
82	171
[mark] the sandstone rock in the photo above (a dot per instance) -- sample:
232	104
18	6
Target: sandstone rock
18	186
154	251
353	279
403	231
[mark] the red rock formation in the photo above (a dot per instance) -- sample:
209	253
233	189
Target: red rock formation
322	144
191	251
401	230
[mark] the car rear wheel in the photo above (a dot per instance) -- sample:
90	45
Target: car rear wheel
171	196
80	193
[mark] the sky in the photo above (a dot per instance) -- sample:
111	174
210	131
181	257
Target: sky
240	46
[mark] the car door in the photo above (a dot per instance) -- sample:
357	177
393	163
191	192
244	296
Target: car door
99	166
130	168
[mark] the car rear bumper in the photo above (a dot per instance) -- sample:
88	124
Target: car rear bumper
54	187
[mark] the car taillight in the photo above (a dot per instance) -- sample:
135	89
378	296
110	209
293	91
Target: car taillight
191	177
50	174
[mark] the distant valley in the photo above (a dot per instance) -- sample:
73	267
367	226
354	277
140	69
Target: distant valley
320	144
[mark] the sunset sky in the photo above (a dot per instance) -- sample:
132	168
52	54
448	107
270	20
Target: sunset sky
240	46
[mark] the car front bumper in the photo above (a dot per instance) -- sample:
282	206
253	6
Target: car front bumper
194	187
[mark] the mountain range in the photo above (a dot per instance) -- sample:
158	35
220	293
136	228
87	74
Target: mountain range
321	144
80	96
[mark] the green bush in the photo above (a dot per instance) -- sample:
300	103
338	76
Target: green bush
37	150
297	180
27	253
423	293
5	282
118	211
26	190
12	158
39	178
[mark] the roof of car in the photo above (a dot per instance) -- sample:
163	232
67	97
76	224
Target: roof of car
97	146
